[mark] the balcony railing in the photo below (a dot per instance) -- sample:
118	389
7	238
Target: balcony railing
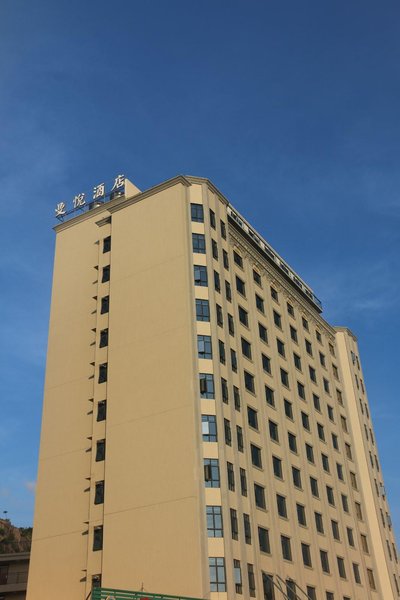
13	577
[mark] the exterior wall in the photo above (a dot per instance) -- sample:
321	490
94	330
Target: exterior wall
14	575
370	480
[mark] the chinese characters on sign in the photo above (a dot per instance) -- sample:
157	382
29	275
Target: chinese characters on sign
99	195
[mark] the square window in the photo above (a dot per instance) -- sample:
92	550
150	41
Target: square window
246	348
266	363
257	277
288	409
252	418
199	243
197	213
206	385
324	561
273	431
200	275
286	548
284	377
240	286
293	334
296	474
269	396
263	540
305	323
305	551
256	456
297	361
204	348
281	506
107	244
277	319
274	294
277	467
260	303
290	309
211	473
238	259
249	382
292	442
259	494
301	515
243	316
202	310
280	347
209	428
263	333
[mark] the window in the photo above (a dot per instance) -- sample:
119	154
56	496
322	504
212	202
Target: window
99	492
319	523
364	543
335	442
239	438
277	467
314	487
209	428
348	451
263	540
321	432
236	397
331	349
243	482
286	549
280	347
296	475
316	402
268	587
345	503
206	385
330	596
269	396
202	310
341	567
356	571
371	579
292	442
220	317
228	291
212	218
200	275
225	259
256	456
277	319
260	303
247	528
313	375
353	481
240	286
252	581
211	473
324	561
224	390
297	361
290	309
335	530
234	524
252	417
301	515
259	495
273	431
214	521
305	551
325	463
331	415
308	347
330	495
266	363
106	274
339	397
311	593
263	333
288	409
284	377
231	325
101	410
281	506
107	244
293	334
305	323
105	305
358	511
310	453
103	370
350	536
223	230
231	476
237	574
98	538
233	360
249	382
326	385
318	336
335	371
257	277
217	282
217	574
221	350
343	422
214	246
100	450
204	349
96	581
197	213
274	294
305	420
237	259
227	431
243	316
339	469
301	390
322	359
246	348
199	243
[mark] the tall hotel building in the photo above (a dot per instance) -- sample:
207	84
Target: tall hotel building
205	432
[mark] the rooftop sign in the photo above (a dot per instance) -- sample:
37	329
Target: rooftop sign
99	196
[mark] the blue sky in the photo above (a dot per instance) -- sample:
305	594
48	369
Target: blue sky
291	109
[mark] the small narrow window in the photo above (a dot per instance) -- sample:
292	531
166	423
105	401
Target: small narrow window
98	538
100	450
103	338
106	274
105	305
103	371
107	244
212	218
99	492
101	410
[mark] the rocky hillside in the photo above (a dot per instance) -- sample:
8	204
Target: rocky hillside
14	539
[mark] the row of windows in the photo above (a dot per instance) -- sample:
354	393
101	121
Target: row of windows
218	575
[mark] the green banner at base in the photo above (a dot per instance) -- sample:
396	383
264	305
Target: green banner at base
112	594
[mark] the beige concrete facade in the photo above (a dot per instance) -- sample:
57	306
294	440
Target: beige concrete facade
256	360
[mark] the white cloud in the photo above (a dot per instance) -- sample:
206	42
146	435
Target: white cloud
30	486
